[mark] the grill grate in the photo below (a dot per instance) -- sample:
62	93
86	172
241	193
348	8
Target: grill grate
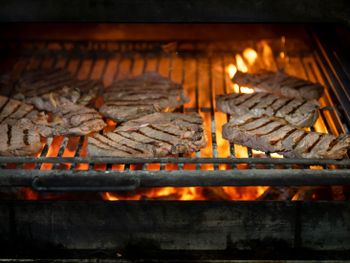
201	68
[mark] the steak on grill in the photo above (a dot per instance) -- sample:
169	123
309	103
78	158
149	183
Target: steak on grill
298	112
140	96
23	116
269	135
17	141
68	117
154	135
36	83
280	84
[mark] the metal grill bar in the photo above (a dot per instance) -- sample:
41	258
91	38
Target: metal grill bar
180	160
60	180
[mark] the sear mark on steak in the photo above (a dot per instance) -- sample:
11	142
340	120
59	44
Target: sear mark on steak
280	84
37	83
20	115
17	141
154	135
276	136
298	112
148	93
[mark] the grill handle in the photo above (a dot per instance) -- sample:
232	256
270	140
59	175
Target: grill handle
105	184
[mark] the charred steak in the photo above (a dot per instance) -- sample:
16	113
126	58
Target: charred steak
137	97
36	83
20	128
280	84
24	116
68	117
298	112
154	135
17	141
270	135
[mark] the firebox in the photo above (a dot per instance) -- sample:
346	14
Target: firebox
224	202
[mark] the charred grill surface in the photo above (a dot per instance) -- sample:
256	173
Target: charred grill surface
270	135
155	135
280	84
137	97
298	112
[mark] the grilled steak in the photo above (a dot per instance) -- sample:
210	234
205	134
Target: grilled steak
23	116
143	95
270	135
17	141
154	135
38	83
280	84
68	117
298	112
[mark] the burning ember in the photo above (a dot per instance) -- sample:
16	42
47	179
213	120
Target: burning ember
240	64
231	70
250	55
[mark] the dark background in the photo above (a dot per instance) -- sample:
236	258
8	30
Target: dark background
301	11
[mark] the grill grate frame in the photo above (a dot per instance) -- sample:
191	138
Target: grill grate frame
94	59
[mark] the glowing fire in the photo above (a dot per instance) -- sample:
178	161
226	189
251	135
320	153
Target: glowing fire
250	55
241	66
236	88
276	155
246	90
231	70
190	193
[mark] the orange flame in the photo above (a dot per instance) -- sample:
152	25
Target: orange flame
235	88
231	70
246	90
267	56
250	55
241	66
276	155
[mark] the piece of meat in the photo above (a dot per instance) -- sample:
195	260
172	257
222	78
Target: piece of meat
154	135
280	84
140	96
68	117
36	83
297	112
24	116
270	135
18	142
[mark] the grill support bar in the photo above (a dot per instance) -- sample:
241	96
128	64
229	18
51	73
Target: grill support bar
68	180
123	160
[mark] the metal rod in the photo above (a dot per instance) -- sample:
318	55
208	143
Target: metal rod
223	66
212	112
122	160
68	180
336	76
